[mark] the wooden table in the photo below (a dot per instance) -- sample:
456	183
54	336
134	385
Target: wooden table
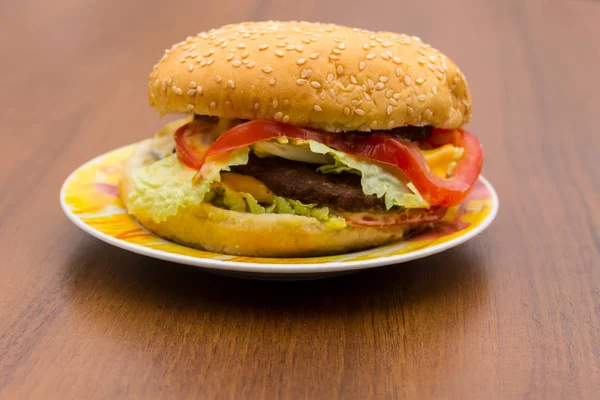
514	313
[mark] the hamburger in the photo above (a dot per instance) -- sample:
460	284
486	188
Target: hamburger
301	139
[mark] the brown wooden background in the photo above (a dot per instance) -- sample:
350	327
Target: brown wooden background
514	313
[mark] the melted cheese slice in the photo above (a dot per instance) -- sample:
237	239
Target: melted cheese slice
442	160
248	184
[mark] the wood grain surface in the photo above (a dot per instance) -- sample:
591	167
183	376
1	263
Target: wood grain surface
514	313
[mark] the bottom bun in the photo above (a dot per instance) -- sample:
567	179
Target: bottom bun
211	228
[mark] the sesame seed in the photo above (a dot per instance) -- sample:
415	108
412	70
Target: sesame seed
396	60
317	108
432	59
407	80
385	56
374	124
383	79
301	61
353	79
313	56
428	113
245	62
334	57
230	84
306	40
190	67
170	81
389	93
286	118
339	98
290	47
355	103
419	80
241	46
256	106
379	86
286	103
279	53
440	77
465	102
342	46
336	51
209	52
224	44
190	107
421	97
399	72
263	46
391	124
366	46
371	84
359	111
182	60
272	81
199	90
389	110
275	103
299	47
329	78
210	61
163	86
434	90
236	63
367	96
251	64
191	92
340	70
315	84
218	78
230	56
278	115
347	110
301	81
323	94
370	56
245	54
281	44
393	102
202	63
212	104
362	65
421	61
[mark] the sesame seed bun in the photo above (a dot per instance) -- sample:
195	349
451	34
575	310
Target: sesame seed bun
322	76
207	227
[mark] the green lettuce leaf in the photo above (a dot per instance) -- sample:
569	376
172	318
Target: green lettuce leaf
282	205
374	179
163	188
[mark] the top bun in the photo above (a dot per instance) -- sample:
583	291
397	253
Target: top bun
322	76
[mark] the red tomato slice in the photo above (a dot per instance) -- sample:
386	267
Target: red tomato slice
402	154
193	139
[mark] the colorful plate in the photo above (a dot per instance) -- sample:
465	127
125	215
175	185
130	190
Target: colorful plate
89	197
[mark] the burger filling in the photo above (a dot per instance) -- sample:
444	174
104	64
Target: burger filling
405	175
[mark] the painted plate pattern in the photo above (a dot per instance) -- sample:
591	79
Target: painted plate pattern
90	199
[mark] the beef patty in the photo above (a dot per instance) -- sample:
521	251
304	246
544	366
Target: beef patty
300	181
